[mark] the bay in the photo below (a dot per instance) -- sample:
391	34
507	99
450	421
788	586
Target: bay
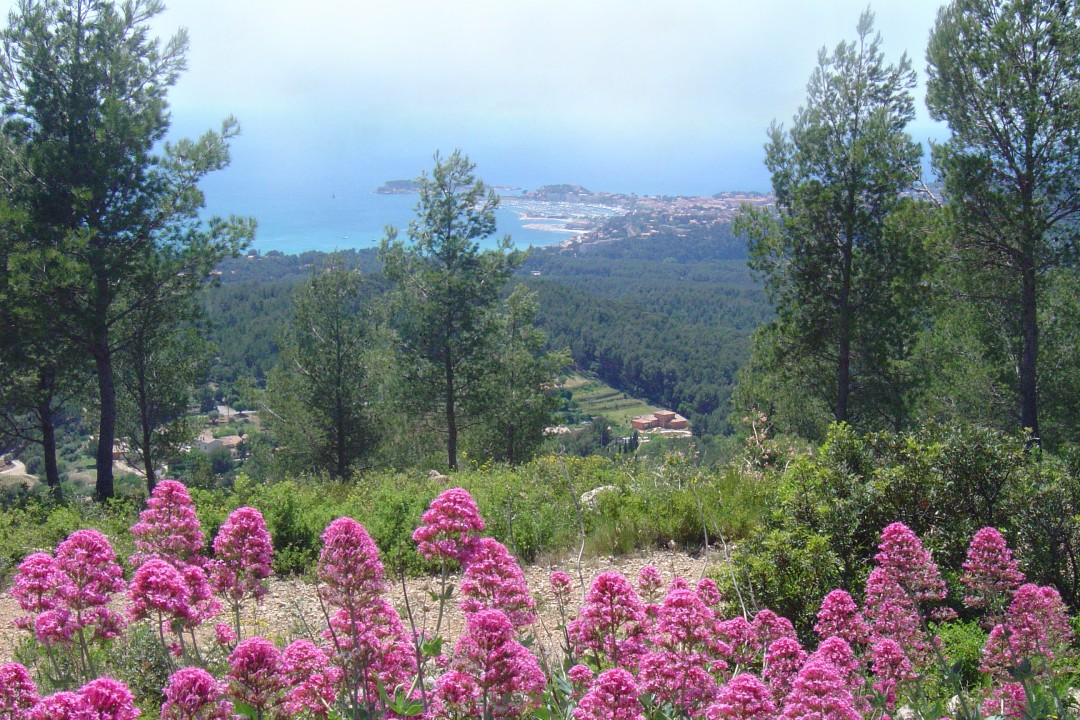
293	222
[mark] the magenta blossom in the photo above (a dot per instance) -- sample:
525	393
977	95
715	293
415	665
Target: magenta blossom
71	592
224	635
836	651
494	580
839	616
349	571
709	592
744	697
194	694
891	668
311	679
561	588
741	637
818	693
1036	626
372	648
681	679
169	528
611	624
1008	700
771	627
256	676
63	705
243	556
783	658
449	527
17	692
109	699
990	573
909	564
36	587
581	675
891	614
93	575
158	589
650	584
492	674
614	696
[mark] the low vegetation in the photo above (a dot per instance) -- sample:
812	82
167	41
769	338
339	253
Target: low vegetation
807	588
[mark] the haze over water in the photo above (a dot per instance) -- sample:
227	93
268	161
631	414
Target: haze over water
337	97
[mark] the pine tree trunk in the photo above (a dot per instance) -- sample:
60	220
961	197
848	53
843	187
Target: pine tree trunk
451	418
48	449
46	387
843	370
107	422
1029	354
148	456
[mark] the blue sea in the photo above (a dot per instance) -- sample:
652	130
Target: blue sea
294	220
314	190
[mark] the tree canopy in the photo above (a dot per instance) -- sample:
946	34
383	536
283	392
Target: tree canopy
105	219
831	267
450	290
1005	76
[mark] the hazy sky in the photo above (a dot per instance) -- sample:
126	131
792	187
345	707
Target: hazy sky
677	93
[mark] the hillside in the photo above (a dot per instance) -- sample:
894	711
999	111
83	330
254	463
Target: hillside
665	318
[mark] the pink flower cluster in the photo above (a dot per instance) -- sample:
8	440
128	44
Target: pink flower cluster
612	623
676	653
990	573
902	555
69	594
368	640
839	616
170	583
449	527
193	694
243	556
493	580
350	573
168	528
492	675
561	588
100	699
614	696
683	655
745	697
1036	627
256	675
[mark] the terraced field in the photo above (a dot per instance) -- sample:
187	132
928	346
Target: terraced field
598	398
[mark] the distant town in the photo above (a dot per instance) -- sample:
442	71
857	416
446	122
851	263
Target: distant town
596	217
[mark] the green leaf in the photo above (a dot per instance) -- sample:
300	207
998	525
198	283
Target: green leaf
432	648
245	710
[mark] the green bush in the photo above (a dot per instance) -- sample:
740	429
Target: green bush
943	482
962	643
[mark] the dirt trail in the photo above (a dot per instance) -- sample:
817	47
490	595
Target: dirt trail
291	609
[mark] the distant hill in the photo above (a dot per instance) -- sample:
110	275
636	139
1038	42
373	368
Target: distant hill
398	187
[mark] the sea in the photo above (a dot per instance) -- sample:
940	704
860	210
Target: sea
316	191
350	218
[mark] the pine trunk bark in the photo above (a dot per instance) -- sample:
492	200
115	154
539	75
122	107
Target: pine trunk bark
451	415
103	488
1029	354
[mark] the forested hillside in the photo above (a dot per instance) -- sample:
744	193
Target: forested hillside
665	318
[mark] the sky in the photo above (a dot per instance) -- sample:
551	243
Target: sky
656	96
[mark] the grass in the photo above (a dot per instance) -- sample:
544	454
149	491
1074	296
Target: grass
597	398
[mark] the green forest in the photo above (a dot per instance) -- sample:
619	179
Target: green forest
862	295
